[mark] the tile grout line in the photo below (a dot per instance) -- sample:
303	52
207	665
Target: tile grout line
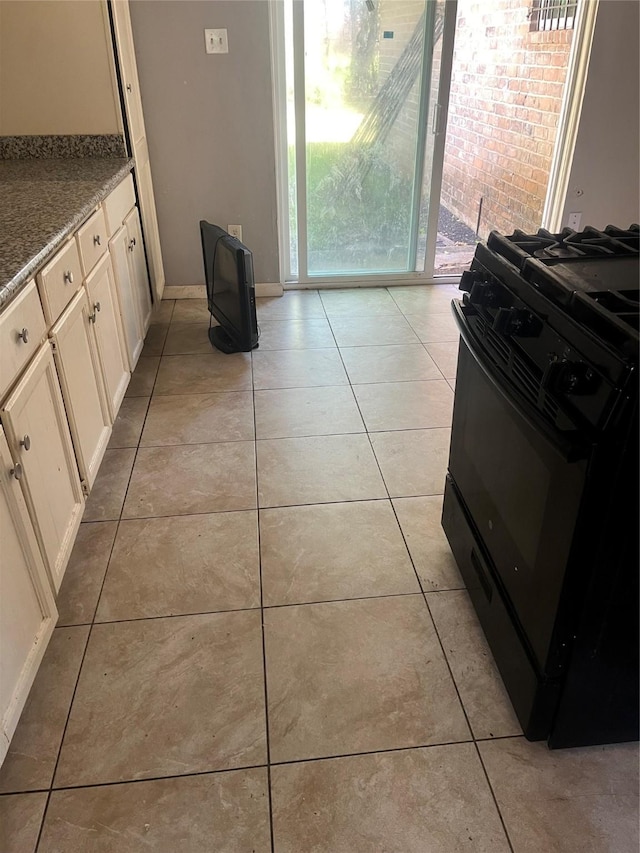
242	768
453	680
91	626
250	609
466	716
264	647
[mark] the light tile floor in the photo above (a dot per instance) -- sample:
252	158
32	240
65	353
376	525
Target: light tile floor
264	643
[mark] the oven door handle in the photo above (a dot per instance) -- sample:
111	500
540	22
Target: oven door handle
569	450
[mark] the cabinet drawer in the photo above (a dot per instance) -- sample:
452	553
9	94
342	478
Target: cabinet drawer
59	281
22	329
118	204
92	241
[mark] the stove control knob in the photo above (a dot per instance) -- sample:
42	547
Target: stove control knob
517	322
484	293
467	280
570	377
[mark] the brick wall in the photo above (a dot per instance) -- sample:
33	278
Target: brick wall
506	92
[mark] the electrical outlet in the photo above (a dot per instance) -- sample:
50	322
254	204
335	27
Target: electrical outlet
574	221
216	41
235	231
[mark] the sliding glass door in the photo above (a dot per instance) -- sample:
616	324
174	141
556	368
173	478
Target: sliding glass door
360	94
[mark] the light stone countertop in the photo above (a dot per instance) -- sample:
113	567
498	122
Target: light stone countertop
42	202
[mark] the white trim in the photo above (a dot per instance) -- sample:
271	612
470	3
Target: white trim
324	284
269	288
437	167
300	104
569	120
198	291
279	89
184	291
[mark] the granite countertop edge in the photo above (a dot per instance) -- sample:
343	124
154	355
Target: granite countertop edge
76	216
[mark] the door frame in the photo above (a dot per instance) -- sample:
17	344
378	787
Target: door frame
438	111
570	112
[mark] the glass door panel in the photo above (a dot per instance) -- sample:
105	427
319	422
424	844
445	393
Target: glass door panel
365	90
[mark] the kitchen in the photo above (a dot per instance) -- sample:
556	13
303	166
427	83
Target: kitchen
608	194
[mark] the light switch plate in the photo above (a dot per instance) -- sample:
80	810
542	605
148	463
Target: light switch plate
216	41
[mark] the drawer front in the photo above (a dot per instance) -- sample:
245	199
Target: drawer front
118	204
59	281
22	329
92	241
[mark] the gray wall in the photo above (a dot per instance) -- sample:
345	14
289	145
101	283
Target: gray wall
209	123
605	162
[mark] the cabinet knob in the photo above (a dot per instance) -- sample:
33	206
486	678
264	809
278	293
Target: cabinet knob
128	87
68	277
96	239
26	442
23	335
132	244
16	471
92	317
96	306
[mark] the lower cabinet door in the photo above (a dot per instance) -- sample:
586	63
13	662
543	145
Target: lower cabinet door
76	357
112	352
131	324
138	266
27	608
38	434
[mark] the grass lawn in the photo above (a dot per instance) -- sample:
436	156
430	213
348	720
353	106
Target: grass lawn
360	222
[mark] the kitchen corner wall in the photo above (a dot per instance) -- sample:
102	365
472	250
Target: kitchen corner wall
209	123
604	177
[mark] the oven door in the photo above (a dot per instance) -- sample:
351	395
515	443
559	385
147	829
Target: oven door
521	482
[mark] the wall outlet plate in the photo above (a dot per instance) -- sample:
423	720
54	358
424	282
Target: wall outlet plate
235	231
574	221
216	41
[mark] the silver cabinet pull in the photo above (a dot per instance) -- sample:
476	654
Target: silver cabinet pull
23	335
16	471
26	442
92	317
96	306
132	244
68	277
128	87
96	239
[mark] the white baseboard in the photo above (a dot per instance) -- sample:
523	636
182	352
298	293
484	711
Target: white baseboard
269	288
184	291
197	291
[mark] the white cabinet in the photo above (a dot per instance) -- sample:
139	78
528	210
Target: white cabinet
109	334
38	434
138	268
126	59
133	336
76	358
126	248
27	609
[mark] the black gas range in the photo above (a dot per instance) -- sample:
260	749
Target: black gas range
541	499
